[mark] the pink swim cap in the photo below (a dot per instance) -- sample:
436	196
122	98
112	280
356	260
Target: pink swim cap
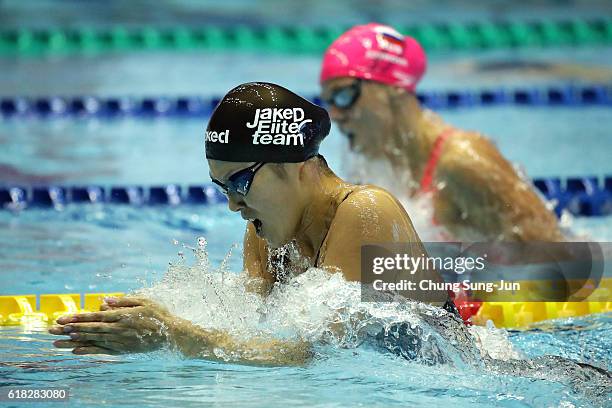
376	52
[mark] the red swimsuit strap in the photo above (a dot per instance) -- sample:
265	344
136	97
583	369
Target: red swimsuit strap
432	162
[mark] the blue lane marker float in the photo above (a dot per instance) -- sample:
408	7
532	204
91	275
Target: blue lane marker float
20	197
83	106
585	196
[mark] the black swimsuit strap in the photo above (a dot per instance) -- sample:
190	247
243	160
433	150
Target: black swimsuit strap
449	306
316	263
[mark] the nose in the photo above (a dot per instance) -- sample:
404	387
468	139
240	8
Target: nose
235	202
337	115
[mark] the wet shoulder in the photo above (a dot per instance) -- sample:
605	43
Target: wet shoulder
367	195
467	150
371	211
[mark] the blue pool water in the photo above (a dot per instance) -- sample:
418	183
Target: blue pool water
110	248
344	378
149	151
116	248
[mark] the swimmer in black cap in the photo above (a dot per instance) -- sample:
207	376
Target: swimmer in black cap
262	146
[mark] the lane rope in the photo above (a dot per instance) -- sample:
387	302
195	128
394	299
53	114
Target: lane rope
196	106
44	309
583	196
435	37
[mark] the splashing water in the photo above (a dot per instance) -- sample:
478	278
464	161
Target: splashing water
317	306
327	311
495	348
360	169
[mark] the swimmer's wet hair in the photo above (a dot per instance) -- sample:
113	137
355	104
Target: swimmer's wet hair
323	163
264	122
319	160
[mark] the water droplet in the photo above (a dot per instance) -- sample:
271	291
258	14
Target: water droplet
201	242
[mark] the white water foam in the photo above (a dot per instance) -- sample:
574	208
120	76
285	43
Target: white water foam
317	306
327	311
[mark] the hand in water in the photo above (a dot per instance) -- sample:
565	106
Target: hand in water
137	325
124	325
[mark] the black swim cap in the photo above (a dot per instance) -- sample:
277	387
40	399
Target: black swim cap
264	122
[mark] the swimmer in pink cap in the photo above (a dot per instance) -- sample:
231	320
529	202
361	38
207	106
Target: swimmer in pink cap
368	77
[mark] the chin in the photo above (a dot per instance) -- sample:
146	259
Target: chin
275	242
357	147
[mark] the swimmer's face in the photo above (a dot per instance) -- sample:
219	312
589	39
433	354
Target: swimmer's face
368	119
266	206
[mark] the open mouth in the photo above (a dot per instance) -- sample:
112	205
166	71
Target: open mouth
257	224
351	139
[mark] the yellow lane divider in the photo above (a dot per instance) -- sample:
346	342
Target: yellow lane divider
21	309
16	310
522	314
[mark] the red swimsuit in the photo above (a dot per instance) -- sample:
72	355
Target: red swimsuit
465	307
432	162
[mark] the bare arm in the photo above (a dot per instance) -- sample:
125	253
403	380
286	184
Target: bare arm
139	325
481	190
196	342
261	280
371	216
251	258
